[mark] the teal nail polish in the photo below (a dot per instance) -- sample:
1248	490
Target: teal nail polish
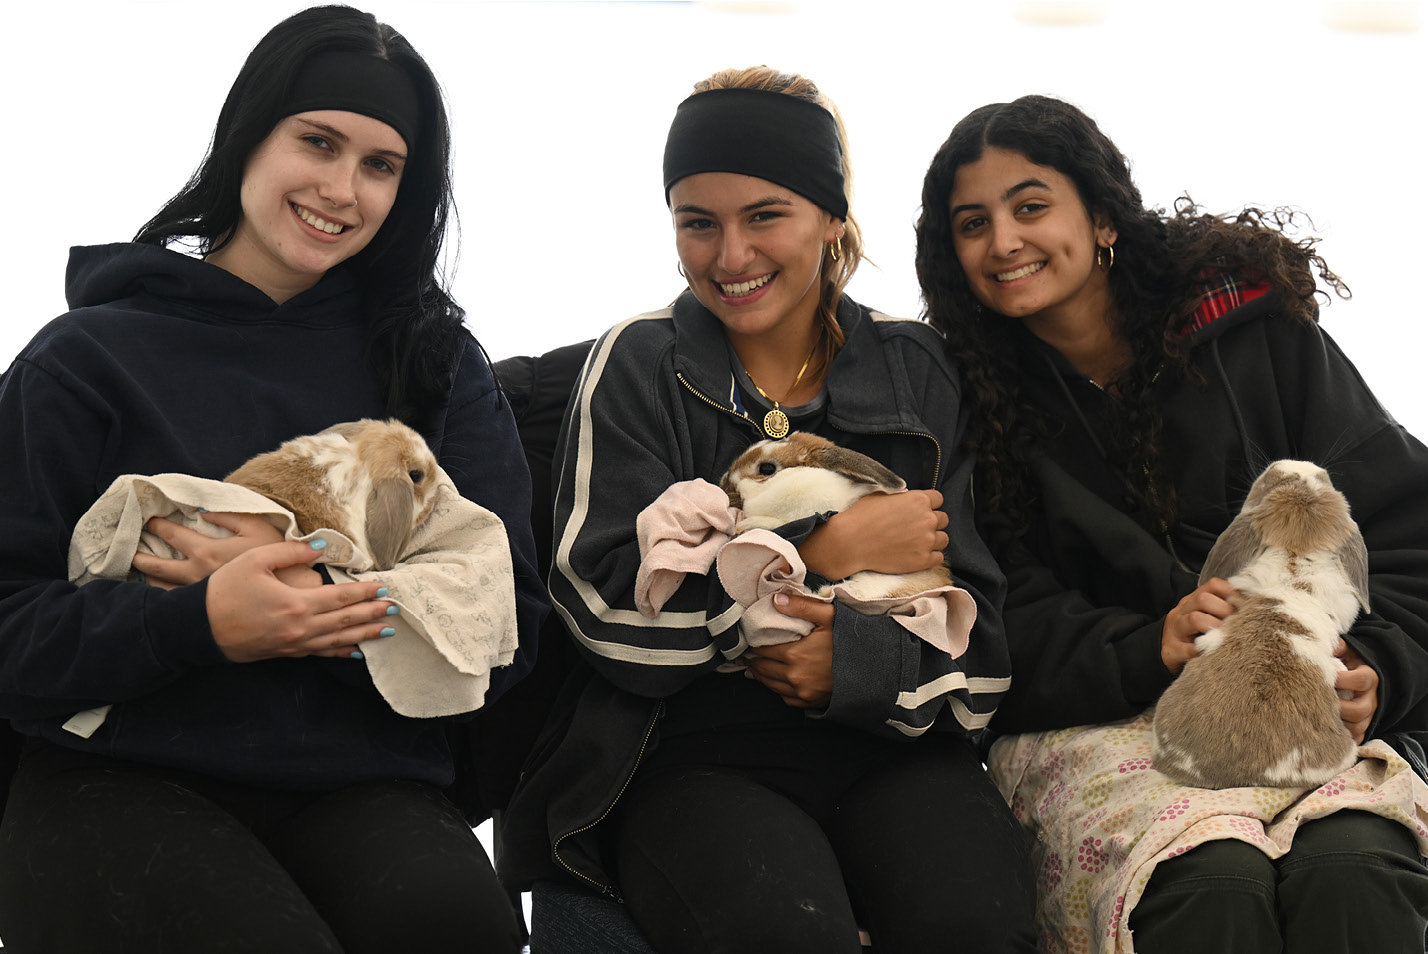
318	544
382	593
393	610
356	654
387	632
203	510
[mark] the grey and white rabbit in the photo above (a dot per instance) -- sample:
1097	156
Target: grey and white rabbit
373	481
777	482
1258	706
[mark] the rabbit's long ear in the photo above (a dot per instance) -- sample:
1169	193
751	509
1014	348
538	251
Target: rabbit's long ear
390	509
859	468
1353	556
1236	547
350	429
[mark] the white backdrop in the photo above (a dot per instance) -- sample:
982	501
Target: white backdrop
560	111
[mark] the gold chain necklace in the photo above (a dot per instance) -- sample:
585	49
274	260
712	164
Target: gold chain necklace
776	422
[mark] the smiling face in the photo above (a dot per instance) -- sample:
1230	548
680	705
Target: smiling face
1026	242
315	192
752	252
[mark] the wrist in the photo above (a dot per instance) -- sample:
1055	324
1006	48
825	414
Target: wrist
822	551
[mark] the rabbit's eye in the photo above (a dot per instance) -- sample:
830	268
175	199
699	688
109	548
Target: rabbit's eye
416	476
768	468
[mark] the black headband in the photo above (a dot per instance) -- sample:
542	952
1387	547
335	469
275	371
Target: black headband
754	132
358	83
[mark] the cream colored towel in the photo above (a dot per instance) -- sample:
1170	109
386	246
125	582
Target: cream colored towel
455	584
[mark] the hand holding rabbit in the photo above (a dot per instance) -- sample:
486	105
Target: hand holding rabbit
254	615
204	554
1357	688
801	672
887	533
1201	610
880	528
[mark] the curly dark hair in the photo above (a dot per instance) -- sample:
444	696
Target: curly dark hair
1161	260
414	327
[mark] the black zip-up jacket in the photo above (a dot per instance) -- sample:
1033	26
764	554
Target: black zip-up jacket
656	404
1084	616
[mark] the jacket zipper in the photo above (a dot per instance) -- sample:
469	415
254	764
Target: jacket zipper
610	891
715	404
937	445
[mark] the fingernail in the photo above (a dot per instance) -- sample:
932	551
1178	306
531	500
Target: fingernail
203	510
318	543
393	610
356	654
780	599
387	632
381	593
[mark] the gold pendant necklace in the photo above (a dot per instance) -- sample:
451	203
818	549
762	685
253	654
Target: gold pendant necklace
776	422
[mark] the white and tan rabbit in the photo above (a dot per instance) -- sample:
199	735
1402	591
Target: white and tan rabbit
1258	705
373	481
777	482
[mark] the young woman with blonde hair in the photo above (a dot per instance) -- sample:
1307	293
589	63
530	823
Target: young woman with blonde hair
832	782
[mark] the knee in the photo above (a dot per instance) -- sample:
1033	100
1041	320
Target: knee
1355	854
1229	861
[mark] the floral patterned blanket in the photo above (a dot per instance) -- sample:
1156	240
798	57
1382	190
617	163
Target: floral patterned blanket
1102	819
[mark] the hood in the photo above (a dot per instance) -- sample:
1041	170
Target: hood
1226	303
101	274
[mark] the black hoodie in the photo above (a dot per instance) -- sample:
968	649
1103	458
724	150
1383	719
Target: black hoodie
169	364
1084	617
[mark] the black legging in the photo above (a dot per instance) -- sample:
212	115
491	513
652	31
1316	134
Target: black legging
1352	881
919	849
103	856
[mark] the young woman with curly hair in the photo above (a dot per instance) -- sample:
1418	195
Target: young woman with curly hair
1130	373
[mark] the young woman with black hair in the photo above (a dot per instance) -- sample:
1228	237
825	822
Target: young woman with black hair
249	788
1130	373
832	782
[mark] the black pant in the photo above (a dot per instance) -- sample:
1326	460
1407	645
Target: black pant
919	848
1352	881
97	855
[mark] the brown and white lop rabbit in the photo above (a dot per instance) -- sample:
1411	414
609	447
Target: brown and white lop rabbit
1258	706
775	482
373	481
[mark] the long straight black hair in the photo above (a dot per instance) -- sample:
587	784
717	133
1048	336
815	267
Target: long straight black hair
414	327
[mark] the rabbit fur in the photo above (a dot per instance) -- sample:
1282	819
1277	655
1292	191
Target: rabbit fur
1258	706
373	481
775	482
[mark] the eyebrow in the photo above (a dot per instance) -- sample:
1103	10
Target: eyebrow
1019	187
339	135
751	207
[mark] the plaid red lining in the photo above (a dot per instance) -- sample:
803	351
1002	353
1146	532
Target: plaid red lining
1220	296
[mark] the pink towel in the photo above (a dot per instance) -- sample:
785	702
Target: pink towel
680	532
758	564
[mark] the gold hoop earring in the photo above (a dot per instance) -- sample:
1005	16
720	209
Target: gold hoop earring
679	267
1109	262
836	249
